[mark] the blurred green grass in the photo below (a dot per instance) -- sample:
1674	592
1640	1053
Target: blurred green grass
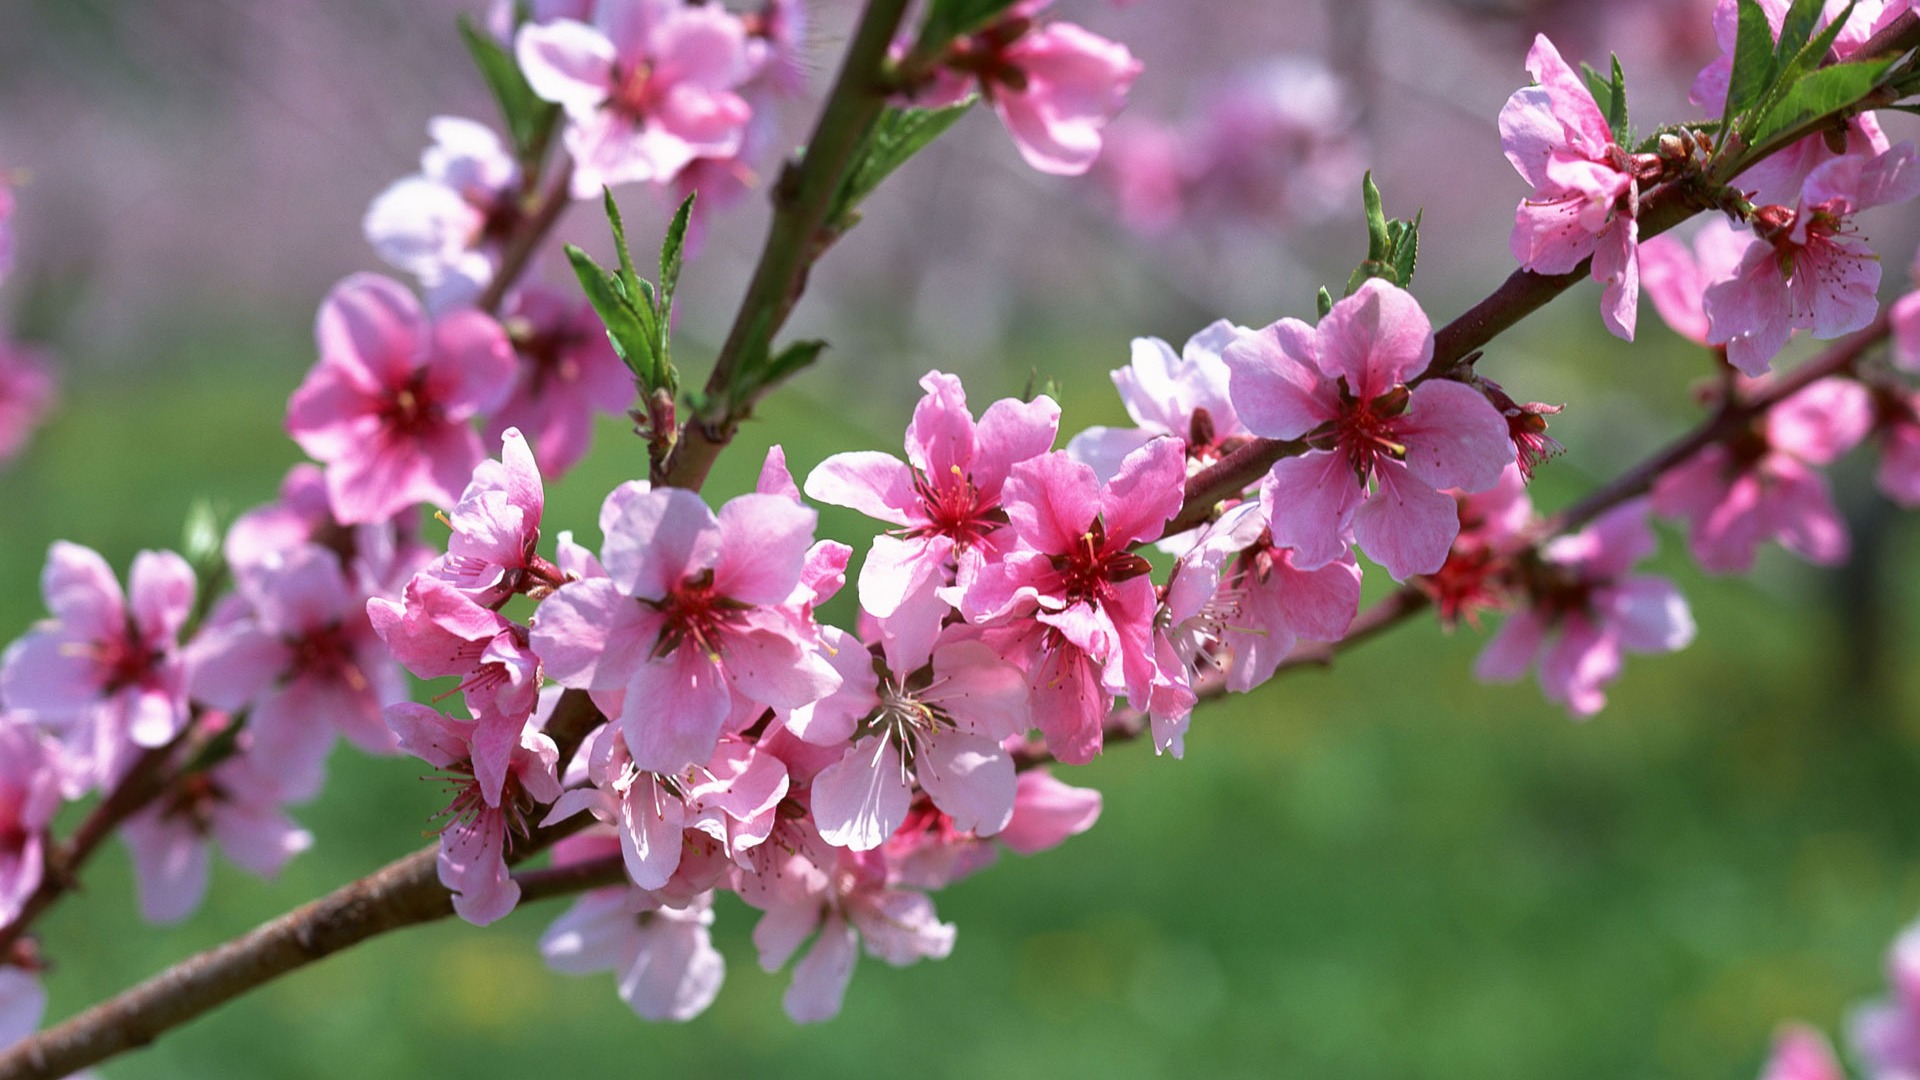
1382	870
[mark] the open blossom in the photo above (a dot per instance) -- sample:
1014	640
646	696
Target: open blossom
1091	599
1379	453
473	842
1807	268
29	795
496	527
107	666
1886	1034
377	558
387	406
568	374
1183	395
444	224
1585	192
1898	431
1768	484
689	619
662	956
648	88
1676	276
944	501
1585	610
27	393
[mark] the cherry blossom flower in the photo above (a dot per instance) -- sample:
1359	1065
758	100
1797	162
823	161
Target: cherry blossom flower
1808	269
1898	429
27	393
568	373
377	558
1342	386
472	843
1801	1053
648	88
1046	811
29	795
1886	1034
1072	569
496	528
386	407
1585	191
1493	531
107	667
1182	395
707	639
234	804
1268	603
444	225
1676	276
1585	610
1767	484
945	500
662	956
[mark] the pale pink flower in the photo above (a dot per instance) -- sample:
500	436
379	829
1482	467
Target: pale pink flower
648	88
1342	387
377	558
1801	1053
838	905
1585	192
664	963
27	393
1141	164
929	852
944	501
496	528
1090	598
1585	610
1898	428
1046	811
1676	276
1767	484
1182	395
1278	142
1054	88
708	640
386	407
1886	1034
1808	268
107	666
1267	604
473	842
234	804
568	374
445	224
22	1001
29	795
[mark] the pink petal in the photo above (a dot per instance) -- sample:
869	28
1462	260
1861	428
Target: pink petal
1377	338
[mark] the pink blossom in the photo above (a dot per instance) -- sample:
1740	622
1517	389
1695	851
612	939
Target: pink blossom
1801	1053
472	843
1494	528
1898	427
1046	811
944	501
1585	610
107	666
1090	597
1886	1034
1054	88
1269	603
567	375
1808	269
927	851
295	649
1676	277
386	407
839	905
235	804
648	88
707	640
1767	484
377	558
1585	193
495	529
662	957
29	795
1342	386
27	392
444	225
1183	395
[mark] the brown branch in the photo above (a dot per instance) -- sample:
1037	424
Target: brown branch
533	230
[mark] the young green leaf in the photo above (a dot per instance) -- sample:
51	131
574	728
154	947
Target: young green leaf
1753	64
1818	93
896	136
1406	249
628	330
673	254
1796	28
1323	302
1617	106
528	118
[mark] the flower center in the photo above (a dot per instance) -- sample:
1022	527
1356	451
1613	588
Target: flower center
695	613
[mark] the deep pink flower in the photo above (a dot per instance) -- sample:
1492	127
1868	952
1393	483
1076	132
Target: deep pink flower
107	666
444	225
1767	484
29	795
496	528
662	956
473	842
689	621
234	804
568	374
944	501
386	407
1342	387
1585	610
1494	528
1808	269
1585	193
647	88
1091	599
27	392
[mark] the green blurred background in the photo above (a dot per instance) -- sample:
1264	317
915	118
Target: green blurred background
1384	870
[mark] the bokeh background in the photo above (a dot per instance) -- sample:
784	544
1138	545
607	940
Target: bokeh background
1382	870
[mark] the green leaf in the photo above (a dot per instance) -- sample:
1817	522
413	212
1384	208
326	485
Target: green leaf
1818	93
528	117
1392	244
950	19
632	338
1406	248
673	254
792	360
1753	63
896	136
1617	105
1797	27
